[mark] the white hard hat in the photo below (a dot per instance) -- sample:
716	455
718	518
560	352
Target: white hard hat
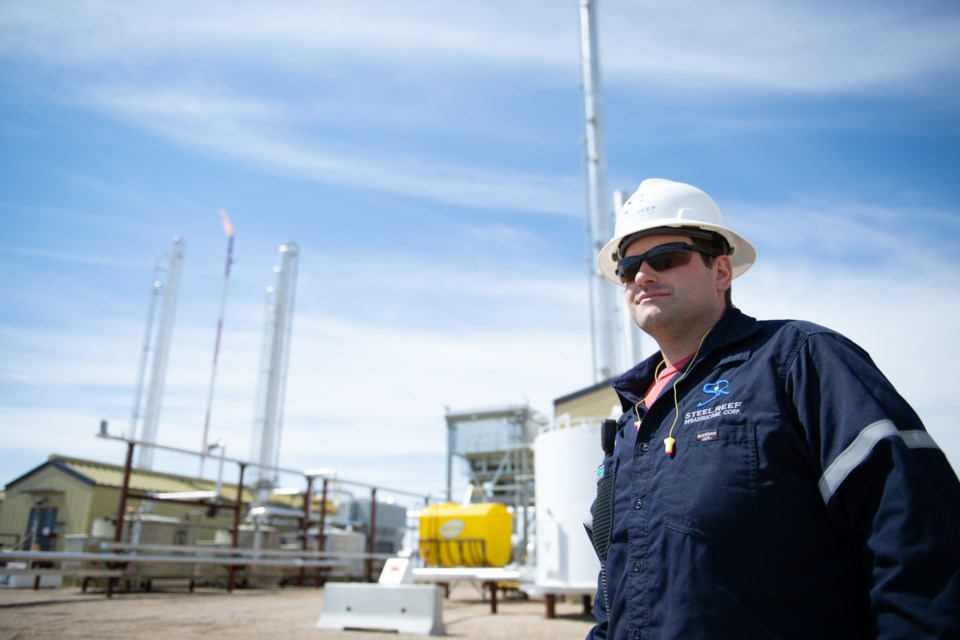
657	207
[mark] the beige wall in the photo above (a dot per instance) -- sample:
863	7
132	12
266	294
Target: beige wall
106	501
70	496
78	504
598	403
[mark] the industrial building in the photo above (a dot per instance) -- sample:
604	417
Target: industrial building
70	505
67	503
65	496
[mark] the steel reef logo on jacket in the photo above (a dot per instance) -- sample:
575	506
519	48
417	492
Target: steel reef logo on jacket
714	391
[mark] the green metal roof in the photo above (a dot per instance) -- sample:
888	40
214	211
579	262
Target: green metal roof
103	474
110	475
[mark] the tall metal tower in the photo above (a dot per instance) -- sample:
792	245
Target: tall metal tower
605	310
228	229
161	353
273	371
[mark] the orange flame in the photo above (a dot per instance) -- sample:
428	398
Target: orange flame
227	226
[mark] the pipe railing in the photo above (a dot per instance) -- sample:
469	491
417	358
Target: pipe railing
126	558
255	553
237	504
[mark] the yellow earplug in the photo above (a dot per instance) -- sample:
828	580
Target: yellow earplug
668	443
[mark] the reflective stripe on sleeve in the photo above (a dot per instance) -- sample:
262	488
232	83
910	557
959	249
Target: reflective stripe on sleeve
851	457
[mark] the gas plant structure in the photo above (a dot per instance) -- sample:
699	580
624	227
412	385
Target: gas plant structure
530	479
93	517
274	359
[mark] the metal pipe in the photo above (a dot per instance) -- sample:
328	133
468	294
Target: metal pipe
451	451
235	538
355	483
161	353
223	452
145	350
305	522
122	508
269	419
142	495
604	315
372	533
163	447
257	553
321	533
119	558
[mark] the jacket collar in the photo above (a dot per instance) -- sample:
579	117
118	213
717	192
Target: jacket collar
732	328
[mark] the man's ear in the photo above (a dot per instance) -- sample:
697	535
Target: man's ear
724	272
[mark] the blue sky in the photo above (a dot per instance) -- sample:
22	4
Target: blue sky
426	157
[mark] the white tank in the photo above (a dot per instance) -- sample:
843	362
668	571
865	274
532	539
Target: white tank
103	528
565	464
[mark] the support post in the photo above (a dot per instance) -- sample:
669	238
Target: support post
321	536
305	524
236	527
551	601
372	533
122	508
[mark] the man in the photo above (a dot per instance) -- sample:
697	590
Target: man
765	479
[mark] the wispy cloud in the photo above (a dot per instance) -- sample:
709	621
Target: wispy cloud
819	47
233	127
347	379
862	234
838	48
73	258
292	33
134	67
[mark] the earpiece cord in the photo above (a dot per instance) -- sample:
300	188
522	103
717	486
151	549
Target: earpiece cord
636	407
669	441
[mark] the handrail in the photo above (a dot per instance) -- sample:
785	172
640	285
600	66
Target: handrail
240	560
132	441
21	541
227	550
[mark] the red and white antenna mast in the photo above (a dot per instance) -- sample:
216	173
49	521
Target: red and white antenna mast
228	229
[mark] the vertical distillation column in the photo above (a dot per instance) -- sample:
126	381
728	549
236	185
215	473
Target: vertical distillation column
275	357
604	310
155	290
161	355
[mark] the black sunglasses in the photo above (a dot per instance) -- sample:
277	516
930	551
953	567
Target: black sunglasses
662	258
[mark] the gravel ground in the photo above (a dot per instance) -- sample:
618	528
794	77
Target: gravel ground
262	613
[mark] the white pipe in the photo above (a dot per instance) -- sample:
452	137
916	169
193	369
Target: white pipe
161	354
232	551
59	556
155	289
270	420
605	316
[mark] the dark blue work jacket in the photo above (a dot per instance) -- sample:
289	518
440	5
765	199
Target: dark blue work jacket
804	499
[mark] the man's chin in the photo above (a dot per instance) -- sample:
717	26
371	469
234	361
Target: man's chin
650	320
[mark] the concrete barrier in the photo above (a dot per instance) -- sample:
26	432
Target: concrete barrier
404	608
